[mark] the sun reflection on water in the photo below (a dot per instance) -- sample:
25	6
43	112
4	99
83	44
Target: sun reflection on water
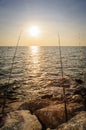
35	54
34	50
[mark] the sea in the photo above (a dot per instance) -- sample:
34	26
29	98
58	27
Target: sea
34	66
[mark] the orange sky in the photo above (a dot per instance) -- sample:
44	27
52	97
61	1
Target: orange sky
67	18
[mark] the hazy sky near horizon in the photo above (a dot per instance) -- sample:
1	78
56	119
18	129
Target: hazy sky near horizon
68	17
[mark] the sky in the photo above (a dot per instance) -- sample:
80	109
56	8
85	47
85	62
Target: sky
68	17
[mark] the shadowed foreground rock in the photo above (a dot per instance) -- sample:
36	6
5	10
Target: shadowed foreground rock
76	123
21	120
33	105
53	116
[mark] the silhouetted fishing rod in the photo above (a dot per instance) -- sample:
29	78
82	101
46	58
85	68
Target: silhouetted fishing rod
65	105
7	87
81	61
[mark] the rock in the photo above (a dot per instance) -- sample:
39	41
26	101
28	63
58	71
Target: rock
77	98
79	81
53	116
48	96
65	85
2	119
80	90
48	129
21	120
57	98
52	83
76	123
12	98
34	105
24	106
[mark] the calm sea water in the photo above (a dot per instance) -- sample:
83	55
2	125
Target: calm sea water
33	66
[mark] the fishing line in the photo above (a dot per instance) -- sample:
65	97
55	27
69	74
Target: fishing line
81	64
7	87
61	63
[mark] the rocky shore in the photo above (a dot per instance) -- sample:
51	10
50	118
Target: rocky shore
45	111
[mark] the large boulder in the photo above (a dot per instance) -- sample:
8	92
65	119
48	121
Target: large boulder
53	116
76	123
21	120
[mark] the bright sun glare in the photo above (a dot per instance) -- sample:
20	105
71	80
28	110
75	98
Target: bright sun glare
34	31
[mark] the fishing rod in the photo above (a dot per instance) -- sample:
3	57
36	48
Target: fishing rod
61	63
81	62
10	73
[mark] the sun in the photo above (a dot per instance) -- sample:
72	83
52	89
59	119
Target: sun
34	31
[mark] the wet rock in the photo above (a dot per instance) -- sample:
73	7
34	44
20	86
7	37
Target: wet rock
79	81
21	120
76	123
48	96
53	116
77	98
4	87
80	90
65	85
34	105
12	98
24	106
52	83
58	98
2	119
48	129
